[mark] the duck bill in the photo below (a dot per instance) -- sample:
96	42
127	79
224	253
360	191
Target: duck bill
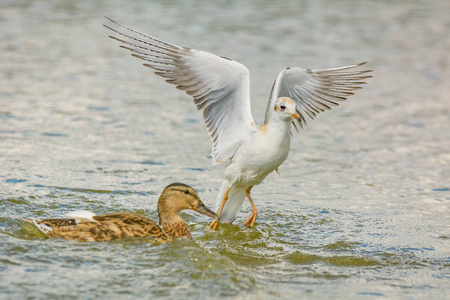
201	208
295	116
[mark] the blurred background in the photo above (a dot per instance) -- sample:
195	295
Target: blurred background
361	209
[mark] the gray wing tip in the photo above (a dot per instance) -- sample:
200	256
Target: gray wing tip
115	22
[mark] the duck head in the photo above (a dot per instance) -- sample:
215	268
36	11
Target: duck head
177	197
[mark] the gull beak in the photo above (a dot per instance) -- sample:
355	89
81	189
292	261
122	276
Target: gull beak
295	116
201	208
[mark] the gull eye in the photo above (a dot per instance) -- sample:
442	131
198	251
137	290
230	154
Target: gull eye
282	107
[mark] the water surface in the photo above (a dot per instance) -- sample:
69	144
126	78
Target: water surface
360	211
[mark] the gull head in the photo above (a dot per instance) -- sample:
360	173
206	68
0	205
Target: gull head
285	108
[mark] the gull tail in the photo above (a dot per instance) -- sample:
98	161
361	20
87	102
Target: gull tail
236	198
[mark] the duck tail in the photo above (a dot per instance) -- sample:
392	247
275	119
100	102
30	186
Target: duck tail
236	198
44	228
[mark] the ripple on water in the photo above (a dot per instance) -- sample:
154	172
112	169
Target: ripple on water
15	180
230	261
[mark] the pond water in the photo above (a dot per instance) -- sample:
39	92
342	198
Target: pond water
361	209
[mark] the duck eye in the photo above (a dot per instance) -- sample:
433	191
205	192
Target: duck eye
282	107
186	192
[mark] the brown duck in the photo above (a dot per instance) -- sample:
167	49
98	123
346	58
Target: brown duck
86	226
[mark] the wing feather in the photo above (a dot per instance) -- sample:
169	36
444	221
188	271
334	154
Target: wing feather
316	91
220	86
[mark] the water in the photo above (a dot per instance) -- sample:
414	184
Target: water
360	211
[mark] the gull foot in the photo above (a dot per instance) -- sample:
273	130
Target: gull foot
214	225
251	221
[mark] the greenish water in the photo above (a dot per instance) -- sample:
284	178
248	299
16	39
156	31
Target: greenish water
360	211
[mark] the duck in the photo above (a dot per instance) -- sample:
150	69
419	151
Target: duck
220	87
86	226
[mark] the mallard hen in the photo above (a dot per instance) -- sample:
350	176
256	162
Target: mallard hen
86	226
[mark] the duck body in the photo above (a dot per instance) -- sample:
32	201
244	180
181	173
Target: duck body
86	226
103	228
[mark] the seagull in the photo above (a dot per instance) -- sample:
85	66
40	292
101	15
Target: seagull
221	90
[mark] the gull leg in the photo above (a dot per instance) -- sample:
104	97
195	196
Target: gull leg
251	221
215	224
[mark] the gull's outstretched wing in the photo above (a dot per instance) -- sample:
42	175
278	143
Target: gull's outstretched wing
315	91
220	86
